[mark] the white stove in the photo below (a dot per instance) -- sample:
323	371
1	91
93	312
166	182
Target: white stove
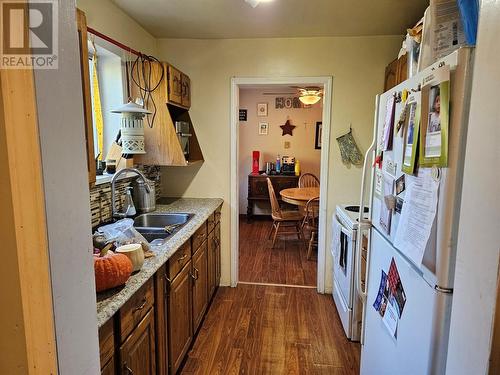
349	214
349	305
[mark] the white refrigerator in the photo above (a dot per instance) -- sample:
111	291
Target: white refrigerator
419	345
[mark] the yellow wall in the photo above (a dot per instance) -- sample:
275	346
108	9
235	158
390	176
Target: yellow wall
357	65
107	18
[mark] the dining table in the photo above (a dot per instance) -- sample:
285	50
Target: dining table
299	196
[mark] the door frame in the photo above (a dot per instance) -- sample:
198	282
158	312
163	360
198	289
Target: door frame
240	82
28	319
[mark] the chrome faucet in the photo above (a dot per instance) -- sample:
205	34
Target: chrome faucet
114	212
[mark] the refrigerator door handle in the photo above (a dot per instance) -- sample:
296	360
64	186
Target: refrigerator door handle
362	293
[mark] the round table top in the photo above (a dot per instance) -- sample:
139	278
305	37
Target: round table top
299	196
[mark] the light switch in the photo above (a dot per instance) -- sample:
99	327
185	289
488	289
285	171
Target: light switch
287	144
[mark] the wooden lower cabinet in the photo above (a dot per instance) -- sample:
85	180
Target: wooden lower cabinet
180	329
137	353
199	274
153	331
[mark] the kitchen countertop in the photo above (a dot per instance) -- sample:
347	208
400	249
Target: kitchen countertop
110	301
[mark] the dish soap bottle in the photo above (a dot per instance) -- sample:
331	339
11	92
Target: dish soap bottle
297	168
278	164
129	203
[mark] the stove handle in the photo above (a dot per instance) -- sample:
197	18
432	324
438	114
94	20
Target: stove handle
362	293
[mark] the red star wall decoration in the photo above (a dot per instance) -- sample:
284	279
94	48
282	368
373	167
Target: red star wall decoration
287	128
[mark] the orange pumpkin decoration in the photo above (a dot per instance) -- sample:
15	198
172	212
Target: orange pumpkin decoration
111	270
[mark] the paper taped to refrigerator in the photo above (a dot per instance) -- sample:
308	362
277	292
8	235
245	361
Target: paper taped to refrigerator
417	215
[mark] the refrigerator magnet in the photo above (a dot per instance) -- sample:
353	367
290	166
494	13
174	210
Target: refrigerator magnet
433	149
399	205
411	134
400	184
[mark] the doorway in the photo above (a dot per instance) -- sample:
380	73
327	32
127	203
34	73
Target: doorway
270	265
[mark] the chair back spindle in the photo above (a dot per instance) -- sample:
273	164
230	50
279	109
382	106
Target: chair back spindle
308	180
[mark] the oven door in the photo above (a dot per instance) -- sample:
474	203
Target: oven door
343	262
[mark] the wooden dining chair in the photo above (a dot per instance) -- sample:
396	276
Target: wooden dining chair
311	222
283	219
308	180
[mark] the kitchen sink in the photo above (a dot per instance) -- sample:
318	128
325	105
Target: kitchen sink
160	225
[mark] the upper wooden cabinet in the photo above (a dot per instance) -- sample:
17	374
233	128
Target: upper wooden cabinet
395	73
186	91
179	87
174	85
171	101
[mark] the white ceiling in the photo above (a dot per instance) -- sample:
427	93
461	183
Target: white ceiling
214	19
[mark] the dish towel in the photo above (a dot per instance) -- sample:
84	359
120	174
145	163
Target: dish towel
336	230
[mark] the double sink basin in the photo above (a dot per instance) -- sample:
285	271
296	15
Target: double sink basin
157	225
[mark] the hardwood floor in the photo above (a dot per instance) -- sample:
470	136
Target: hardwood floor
254	329
285	264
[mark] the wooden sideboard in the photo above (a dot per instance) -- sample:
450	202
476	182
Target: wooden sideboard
257	188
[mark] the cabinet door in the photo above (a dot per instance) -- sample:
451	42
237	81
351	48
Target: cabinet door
402	74
180	332
109	368
199	274
217	255
212	271
174	85
138	352
391	75
186	91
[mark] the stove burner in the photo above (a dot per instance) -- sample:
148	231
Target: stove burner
356	209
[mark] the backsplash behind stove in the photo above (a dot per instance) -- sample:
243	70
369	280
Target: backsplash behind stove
100	195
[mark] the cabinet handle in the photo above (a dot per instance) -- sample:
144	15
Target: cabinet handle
128	369
144	301
184	256
197	275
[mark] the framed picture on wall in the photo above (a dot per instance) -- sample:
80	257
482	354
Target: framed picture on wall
262	109
263	128
317	139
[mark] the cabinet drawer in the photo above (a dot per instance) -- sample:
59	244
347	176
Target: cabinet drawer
199	236
106	342
179	259
135	309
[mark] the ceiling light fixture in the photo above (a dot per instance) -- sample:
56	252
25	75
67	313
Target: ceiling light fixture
310	95
254	3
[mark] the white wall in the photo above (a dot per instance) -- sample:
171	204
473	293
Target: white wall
62	140
301	143
107	18
357	65
476	276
